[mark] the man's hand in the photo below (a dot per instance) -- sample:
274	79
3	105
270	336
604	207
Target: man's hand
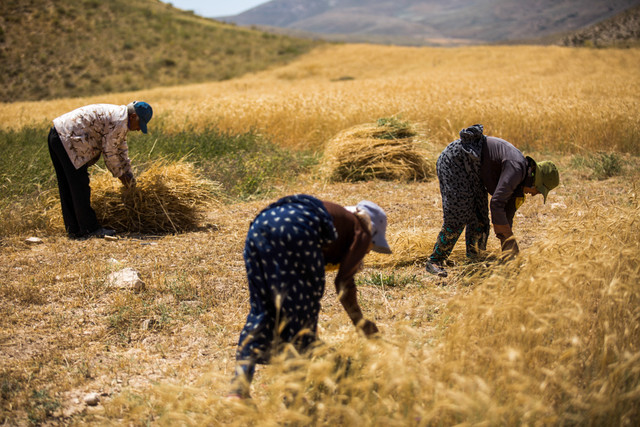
503	232
368	327
128	180
507	239
510	246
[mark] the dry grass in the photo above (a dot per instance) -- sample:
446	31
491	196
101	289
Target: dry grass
167	198
549	338
40	215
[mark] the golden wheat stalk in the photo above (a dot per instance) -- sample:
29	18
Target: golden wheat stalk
167	198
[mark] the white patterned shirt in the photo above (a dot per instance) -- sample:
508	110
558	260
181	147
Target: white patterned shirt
89	131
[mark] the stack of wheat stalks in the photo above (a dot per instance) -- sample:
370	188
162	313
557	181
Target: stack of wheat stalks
384	150
167	198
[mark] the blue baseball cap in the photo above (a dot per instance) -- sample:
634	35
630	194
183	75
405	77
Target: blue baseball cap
144	113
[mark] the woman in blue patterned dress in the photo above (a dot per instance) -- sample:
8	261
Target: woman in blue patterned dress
286	250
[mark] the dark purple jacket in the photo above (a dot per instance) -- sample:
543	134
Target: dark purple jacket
503	170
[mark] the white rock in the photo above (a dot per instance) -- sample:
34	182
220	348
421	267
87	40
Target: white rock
114	263
127	278
33	240
92	399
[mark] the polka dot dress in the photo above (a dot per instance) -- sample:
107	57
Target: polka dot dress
285	271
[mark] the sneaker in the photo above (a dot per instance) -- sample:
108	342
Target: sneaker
436	269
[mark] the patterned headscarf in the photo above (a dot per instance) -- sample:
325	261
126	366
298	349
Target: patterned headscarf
472	139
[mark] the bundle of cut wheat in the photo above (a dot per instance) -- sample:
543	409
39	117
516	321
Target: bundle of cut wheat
167	198
385	150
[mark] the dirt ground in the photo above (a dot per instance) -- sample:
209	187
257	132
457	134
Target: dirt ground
66	332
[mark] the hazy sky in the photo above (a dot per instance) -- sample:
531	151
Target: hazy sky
214	8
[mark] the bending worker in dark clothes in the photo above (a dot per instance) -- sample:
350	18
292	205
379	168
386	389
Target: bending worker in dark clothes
76	141
288	246
468	169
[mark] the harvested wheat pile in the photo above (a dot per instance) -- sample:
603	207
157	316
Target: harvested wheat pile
386	150
168	198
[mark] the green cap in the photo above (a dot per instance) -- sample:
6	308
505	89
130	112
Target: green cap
546	178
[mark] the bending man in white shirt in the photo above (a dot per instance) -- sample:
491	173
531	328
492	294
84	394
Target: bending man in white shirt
76	141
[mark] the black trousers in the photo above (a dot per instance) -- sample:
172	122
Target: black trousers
75	192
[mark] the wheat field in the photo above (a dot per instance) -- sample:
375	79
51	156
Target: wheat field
549	338
540	97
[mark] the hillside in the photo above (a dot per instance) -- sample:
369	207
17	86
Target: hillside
416	22
51	49
621	30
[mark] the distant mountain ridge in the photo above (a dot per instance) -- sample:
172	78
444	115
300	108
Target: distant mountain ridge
623	30
431	21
